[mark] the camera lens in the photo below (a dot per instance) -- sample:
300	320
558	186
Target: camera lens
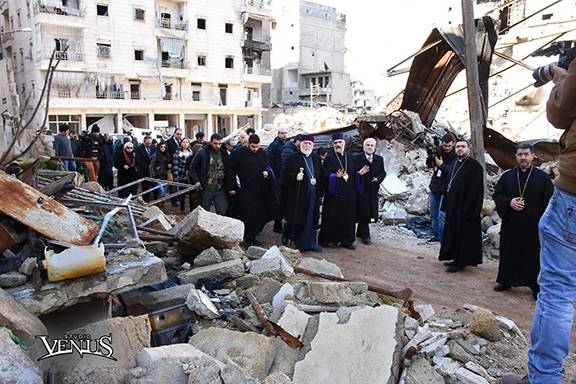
542	75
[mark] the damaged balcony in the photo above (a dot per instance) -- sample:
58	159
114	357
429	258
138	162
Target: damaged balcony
169	23
261	44
58	7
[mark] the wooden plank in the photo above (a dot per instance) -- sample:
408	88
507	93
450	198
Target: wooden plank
41	213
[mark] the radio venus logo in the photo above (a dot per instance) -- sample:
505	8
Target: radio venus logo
81	343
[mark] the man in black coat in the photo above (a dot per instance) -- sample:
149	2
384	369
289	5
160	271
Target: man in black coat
371	169
290	148
303	176
208	170
143	153
172	144
274	155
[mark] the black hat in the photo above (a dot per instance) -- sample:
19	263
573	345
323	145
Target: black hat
95	128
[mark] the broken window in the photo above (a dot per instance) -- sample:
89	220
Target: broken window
229	62
168	95
138	55
326	80
547	16
139	14
248	33
321	82
201	23
229	28
248	65
28	8
223	93
102	10
202	60
19	19
134	89
196	90
104	51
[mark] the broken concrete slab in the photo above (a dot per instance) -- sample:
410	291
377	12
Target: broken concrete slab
286	290
294	322
234	374
230	254
207	257
488	206
200	303
123	273
129	335
421	372
347	294
266	290
255	252
366	348
154	301
478	369
273	265
164	370
232	268
445	365
156	247
12	279
14	316
291	255
205	370
206	229
158	222
469	377
15	365
172	351
457	352
320	266
249	350
277	378
28	266
426	311
247	281
485	325
417	203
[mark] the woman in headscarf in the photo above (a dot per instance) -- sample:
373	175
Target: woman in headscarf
126	165
179	169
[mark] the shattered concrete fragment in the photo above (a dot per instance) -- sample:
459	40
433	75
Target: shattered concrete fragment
277	378
207	257
15	365
14	316
340	293
266	290
290	254
468	377
286	290
12	279
445	365
247	281
320	266
255	252
422	334
366	348
273	265
163	370
171	351
417	203
294	322
205	370
249	350
421	372
156	247
478	369
28	266
200	303
232	268
486	223
488	206
158	222
426	311
457	352
485	325
154	301
233	374
230	254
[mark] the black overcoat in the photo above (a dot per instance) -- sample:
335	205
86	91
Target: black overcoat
367	201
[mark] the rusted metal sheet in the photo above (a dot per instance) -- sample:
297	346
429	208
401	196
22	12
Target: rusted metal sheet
43	214
7	236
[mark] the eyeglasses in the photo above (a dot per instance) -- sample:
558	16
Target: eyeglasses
129	147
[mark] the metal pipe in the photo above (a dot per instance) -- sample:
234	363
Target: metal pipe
423	49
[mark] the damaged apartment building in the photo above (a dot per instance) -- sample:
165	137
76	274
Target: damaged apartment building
151	64
308	56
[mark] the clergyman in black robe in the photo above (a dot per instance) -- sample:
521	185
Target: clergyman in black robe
462	239
367	189
521	197
303	175
256	198
339	209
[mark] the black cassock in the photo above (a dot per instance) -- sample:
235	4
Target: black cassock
339	209
519	241
462	240
256	201
367	196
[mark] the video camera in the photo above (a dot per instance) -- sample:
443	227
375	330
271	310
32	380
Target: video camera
544	74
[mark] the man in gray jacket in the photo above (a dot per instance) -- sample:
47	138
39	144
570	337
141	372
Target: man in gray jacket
62	146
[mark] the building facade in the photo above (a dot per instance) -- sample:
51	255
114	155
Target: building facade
308	55
363	97
149	64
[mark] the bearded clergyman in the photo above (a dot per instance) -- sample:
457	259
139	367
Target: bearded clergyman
521	197
303	175
339	209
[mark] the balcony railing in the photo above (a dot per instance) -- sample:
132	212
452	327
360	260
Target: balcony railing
135	95
262	4
172	24
257	71
127	95
256	44
173	64
57	9
70	56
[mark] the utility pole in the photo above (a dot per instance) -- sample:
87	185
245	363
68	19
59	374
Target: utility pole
473	82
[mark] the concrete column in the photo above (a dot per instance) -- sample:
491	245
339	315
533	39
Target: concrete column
83	126
150	120
258	121
210	129
181	121
234	122
119	123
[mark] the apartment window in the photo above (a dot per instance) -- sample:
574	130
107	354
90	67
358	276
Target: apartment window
326	80
321	82
102	10
23	89
73	122
12	23
168	95
138	55
223	93
28	8
139	14
202	61
21	57
229	28
196	90
229	62
32	89
134	90
547	16
19	19
201	23
104	51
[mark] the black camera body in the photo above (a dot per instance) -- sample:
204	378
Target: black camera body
545	74
435	151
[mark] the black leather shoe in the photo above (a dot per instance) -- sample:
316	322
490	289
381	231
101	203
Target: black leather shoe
348	246
501	287
249	243
449	263
316	249
454	268
367	241
284	240
257	242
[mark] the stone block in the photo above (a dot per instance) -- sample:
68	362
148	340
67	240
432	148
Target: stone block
148	355
320	266
426	311
206	229
290	254
230	254
418	203
164	370
468	377
232	268
12	279
207	257
366	348
200	303
277	378
158	222
266	290
273	265
484	324
156	247
205	370
247	281
15	365
486	223
294	322
445	365
421	372
255	252
154	301
93	186
249	350
488	206
338	293
28	266
457	352
234	374
14	316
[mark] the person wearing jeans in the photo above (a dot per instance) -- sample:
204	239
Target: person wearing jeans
552	325
63	146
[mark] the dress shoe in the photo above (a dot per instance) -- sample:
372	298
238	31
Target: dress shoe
501	287
512	378
454	268
249	243
284	240
348	246
432	241
449	263
367	241
316	249
257	242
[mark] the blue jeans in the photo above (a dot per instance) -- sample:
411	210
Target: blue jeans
71	165
161	190
437	216
555	308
